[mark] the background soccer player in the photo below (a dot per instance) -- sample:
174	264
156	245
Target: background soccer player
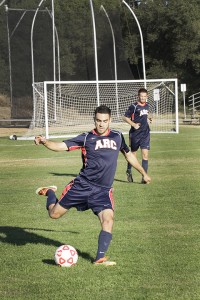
92	188
139	134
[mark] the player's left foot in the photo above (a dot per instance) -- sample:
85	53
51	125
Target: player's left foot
104	262
42	191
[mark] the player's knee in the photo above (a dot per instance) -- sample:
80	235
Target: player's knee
54	215
107	223
145	155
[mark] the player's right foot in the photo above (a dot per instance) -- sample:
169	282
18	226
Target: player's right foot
104	262
129	176
42	191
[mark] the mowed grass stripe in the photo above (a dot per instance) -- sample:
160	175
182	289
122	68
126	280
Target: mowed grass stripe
155	236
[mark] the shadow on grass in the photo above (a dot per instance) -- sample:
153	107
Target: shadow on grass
49	262
125	181
64	174
21	236
84	255
75	175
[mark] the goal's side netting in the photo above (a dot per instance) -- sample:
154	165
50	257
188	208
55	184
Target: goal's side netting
64	109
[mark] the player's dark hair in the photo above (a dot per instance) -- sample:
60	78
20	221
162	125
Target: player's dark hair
102	109
142	90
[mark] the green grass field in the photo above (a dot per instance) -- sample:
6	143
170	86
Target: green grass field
156	236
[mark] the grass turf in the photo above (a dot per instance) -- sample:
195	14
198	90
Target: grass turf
156	233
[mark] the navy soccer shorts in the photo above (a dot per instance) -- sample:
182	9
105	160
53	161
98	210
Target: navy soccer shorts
83	195
139	141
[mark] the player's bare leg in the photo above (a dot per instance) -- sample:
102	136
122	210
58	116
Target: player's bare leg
55	210
128	171
145	156
106	218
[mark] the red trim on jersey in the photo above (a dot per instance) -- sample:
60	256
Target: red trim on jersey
95	133
74	148
132	117
84	155
142	104
111	198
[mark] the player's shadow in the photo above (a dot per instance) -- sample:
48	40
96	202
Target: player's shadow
74	175
63	174
125	181
21	236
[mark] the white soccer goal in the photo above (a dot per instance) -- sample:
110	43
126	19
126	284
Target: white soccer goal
66	108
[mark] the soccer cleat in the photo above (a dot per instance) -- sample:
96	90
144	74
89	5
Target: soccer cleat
129	176
42	191
104	262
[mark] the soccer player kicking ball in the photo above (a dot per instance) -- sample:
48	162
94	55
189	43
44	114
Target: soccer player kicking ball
91	189
137	115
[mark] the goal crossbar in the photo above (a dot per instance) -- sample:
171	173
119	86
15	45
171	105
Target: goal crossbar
66	108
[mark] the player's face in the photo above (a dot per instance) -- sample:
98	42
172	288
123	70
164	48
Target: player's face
102	123
142	97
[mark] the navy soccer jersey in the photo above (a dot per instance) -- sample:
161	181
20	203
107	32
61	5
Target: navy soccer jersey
138	113
100	155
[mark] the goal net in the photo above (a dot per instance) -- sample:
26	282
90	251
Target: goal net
64	109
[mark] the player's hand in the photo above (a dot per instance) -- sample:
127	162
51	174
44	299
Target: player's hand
150	120
40	140
147	179
137	125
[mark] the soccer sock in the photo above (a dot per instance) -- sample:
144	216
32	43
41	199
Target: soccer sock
103	243
145	165
129	167
51	198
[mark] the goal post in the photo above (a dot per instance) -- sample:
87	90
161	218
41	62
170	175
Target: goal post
66	108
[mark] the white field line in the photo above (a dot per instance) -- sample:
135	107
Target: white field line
35	159
77	157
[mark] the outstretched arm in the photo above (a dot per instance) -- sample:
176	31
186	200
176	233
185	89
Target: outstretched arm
54	146
132	159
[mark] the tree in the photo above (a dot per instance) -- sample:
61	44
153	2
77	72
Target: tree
171	38
171	32
4	72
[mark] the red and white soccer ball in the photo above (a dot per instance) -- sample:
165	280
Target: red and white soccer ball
66	256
